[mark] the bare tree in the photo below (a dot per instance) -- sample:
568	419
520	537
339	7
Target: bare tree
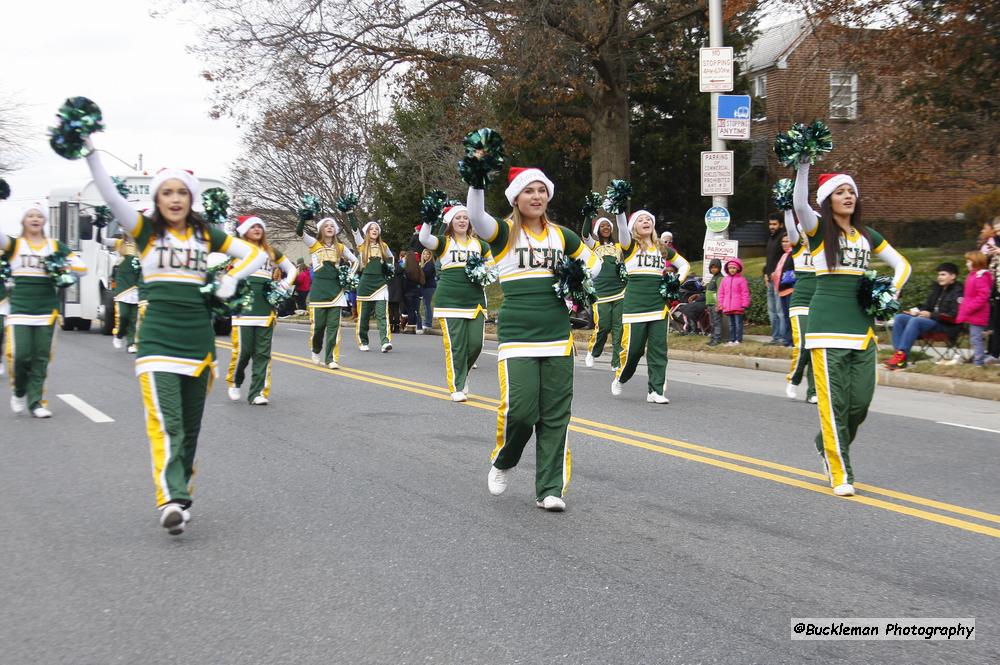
14	132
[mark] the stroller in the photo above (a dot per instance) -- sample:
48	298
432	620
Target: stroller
689	315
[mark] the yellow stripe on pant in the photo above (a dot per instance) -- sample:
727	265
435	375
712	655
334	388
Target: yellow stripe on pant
597	328
234	335
828	419
159	440
502	409
449	359
626	342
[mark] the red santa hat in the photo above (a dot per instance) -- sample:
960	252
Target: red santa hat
634	217
185	176
247	222
451	211
364	229
597	224
829	182
323	222
520	177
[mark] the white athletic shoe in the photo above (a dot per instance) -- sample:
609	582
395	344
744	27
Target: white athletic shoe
589	360
41	412
387	347
18	404
316	358
552	503
790	391
172	519
117	342
475	365
132	348
420	331
234	393
458	397
497	481
333	365
187	515
813	400
616	387
363	347
657	399
2	369
259	400
846	489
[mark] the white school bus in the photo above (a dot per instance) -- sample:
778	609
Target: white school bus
71	209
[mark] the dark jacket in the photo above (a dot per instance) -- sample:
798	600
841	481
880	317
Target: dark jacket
396	284
430	276
773	252
942	303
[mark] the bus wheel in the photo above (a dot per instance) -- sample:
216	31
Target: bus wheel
108	320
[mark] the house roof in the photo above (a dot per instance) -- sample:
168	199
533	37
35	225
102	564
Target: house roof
774	44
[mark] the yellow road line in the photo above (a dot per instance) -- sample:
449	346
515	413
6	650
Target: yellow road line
614	433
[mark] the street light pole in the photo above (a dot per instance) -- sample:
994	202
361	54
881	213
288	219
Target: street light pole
715	41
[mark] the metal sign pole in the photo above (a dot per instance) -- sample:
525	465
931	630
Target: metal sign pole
715	40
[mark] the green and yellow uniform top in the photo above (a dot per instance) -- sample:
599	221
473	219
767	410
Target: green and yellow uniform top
645	265
34	299
128	274
261	313
372	285
836	320
4	301
609	284
327	290
805	271
457	297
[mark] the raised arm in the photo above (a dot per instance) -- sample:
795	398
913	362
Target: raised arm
624	237
899	264
800	200
791	229
426	239
123	211
486	227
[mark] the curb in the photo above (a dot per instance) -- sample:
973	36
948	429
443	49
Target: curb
923	382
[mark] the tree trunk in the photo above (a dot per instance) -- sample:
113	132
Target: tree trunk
609	140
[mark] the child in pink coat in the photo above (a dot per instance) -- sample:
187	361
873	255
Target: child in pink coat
734	298
974	308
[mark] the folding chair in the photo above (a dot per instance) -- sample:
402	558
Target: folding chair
951	339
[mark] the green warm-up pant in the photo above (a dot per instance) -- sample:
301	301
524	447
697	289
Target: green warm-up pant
251	343
801	358
647	338
536	395
174	405
607	321
368	308
126	315
324	332
463	342
845	385
29	350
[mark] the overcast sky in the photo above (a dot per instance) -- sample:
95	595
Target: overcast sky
134	66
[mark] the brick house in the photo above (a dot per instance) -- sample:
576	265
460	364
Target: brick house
798	72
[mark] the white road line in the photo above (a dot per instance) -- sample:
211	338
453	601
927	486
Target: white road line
86	409
981	429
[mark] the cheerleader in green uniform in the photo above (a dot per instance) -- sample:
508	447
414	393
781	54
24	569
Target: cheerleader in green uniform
610	288
459	302
327	297
373	287
798	310
645	312
34	309
176	356
253	331
128	275
4	311
840	335
535	360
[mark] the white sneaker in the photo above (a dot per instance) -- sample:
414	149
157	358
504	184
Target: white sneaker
813	400
791	392
316	358
41	412
234	393
589	360
117	342
363	347
846	489
259	400
552	503
172	519
616	387
333	364
387	347
18	404
497	481
420	331
132	348
187	515
475	365
2	369
657	399
458	397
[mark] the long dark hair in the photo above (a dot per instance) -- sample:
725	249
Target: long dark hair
831	233
194	220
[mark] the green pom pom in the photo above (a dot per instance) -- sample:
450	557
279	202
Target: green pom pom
574	284
484	157
877	296
4	190
346	203
479	272
78	117
57	266
591	206
802	144
275	294
348	281
216	204
781	193
432	207
310	208
239	303
670	287
622	271
617	196
5	270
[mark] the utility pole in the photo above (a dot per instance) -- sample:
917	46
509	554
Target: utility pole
715	41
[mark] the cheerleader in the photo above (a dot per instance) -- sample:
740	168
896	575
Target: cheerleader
459	302
840	336
128	275
327	296
4	311
645	313
176	355
798	310
610	289
34	309
535	360
373	288
253	331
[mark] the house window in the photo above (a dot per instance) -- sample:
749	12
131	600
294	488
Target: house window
843	96
760	86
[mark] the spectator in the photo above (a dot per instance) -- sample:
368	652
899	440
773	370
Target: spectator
396	295
303	283
975	306
991	248
783	283
712	301
734	299
430	285
775	222
413	280
937	315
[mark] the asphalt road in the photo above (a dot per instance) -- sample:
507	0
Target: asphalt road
349	522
